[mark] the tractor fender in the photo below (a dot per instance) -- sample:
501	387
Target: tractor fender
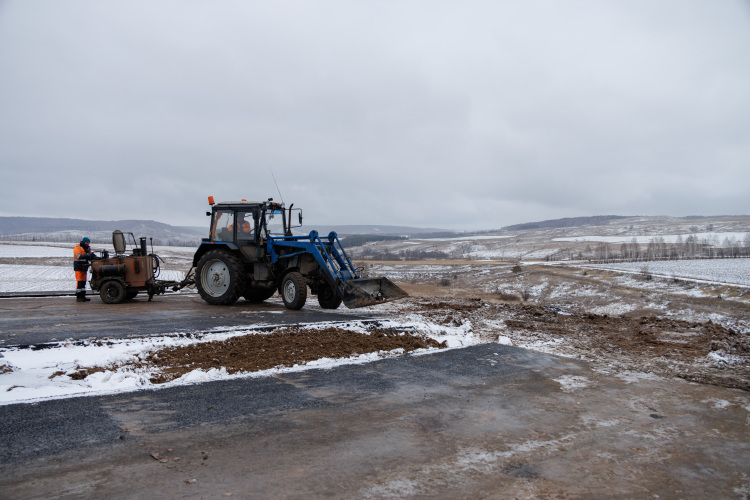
304	264
213	245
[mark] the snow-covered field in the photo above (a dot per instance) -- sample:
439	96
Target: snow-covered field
730	271
31	278
40	250
40	374
35	251
59	276
645	239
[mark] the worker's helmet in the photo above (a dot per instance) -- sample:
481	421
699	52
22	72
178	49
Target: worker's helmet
85	240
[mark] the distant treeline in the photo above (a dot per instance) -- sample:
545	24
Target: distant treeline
377	254
357	240
596	220
691	247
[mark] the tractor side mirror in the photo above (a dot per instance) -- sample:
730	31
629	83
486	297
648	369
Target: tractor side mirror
300	217
118	241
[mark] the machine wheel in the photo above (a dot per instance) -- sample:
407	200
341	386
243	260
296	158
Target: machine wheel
256	295
294	290
130	294
112	292
328	299
219	278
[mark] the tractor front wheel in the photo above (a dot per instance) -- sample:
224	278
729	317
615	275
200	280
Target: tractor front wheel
219	278
294	290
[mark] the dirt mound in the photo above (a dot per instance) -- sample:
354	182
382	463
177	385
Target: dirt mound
282	347
464	305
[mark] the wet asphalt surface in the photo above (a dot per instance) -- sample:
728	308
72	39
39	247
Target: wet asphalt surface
33	321
62	426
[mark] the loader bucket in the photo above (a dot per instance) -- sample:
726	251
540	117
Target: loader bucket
367	292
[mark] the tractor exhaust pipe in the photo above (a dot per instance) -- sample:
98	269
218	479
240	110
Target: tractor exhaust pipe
368	292
289	225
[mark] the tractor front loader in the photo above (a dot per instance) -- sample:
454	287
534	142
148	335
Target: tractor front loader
251	253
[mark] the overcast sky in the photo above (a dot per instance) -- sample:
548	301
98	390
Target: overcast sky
449	114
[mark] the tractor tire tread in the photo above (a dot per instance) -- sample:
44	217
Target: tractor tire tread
238	279
299	295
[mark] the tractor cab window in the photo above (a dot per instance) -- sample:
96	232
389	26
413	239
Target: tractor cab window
245	225
223	227
274	222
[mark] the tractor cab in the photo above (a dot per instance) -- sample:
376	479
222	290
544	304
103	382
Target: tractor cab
244	223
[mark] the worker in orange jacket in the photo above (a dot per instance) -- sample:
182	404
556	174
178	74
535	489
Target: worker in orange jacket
244	229
82	256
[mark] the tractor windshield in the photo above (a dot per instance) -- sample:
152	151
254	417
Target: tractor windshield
275	222
223	226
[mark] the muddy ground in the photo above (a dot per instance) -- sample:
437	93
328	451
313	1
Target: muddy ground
691	330
666	333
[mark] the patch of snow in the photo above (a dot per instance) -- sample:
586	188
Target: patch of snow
570	383
632	377
719	404
716	271
614	309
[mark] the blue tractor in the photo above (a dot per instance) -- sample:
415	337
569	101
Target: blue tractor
250	252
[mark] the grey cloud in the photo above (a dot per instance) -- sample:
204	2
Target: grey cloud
468	116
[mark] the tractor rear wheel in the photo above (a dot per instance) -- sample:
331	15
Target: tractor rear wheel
328	299
112	292
256	295
219	278
294	290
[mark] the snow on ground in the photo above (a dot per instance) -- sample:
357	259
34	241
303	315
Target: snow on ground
40	250
22	278
40	374
56	278
19	278
22	251
730	271
464	238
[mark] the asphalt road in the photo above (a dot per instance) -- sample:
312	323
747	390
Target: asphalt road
488	421
32	321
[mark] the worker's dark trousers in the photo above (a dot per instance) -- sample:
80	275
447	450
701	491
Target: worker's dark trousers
80	290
